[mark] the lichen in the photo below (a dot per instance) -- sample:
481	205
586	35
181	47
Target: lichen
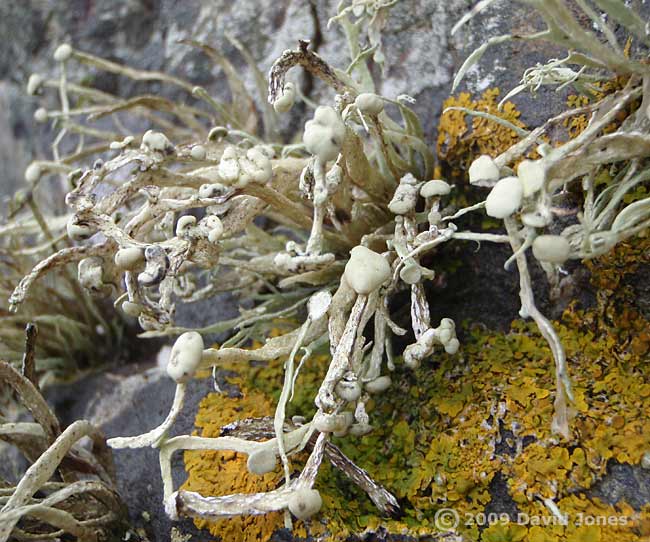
221	473
460	142
442	434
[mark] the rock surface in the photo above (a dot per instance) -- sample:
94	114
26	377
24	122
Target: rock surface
421	61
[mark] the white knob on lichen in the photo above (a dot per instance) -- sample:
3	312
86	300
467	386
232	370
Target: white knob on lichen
324	134
183	224
348	390
185	356
261	461
379	384
34	83
257	165
131	309
411	273
33	173
551	248
532	174
535	219
483	169
505	198
40	115
213	226
129	258
63	52
328	423
304	503
198	152
366	270
319	304
404	199
369	103
435	187
78	232
156	141
452	346
285	100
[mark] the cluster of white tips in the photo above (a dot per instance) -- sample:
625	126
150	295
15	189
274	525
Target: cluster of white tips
324	134
240	170
444	334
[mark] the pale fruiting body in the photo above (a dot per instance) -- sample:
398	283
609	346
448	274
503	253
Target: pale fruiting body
348	390
78	232
324	134
483	169
40	115
285	100
535	219
551	248
369	103
156	141
129	258
328	423
435	187
34	83
404	199
532	175
184	223
33	173
261	461
505	198
198	152
63	52
366	270
379	385
411	273
185	356
452	346
304	503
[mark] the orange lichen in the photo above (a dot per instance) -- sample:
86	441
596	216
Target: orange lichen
222	473
462	138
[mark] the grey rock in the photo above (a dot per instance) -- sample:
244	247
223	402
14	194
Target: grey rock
130	401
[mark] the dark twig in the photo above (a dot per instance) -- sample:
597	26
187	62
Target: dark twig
29	357
262	428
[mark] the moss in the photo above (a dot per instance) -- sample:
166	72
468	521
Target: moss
443	433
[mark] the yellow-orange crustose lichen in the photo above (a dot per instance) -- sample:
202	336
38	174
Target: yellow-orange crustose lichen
223	473
462	138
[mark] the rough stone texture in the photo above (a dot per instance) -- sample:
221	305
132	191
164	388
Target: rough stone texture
131	401
421	61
